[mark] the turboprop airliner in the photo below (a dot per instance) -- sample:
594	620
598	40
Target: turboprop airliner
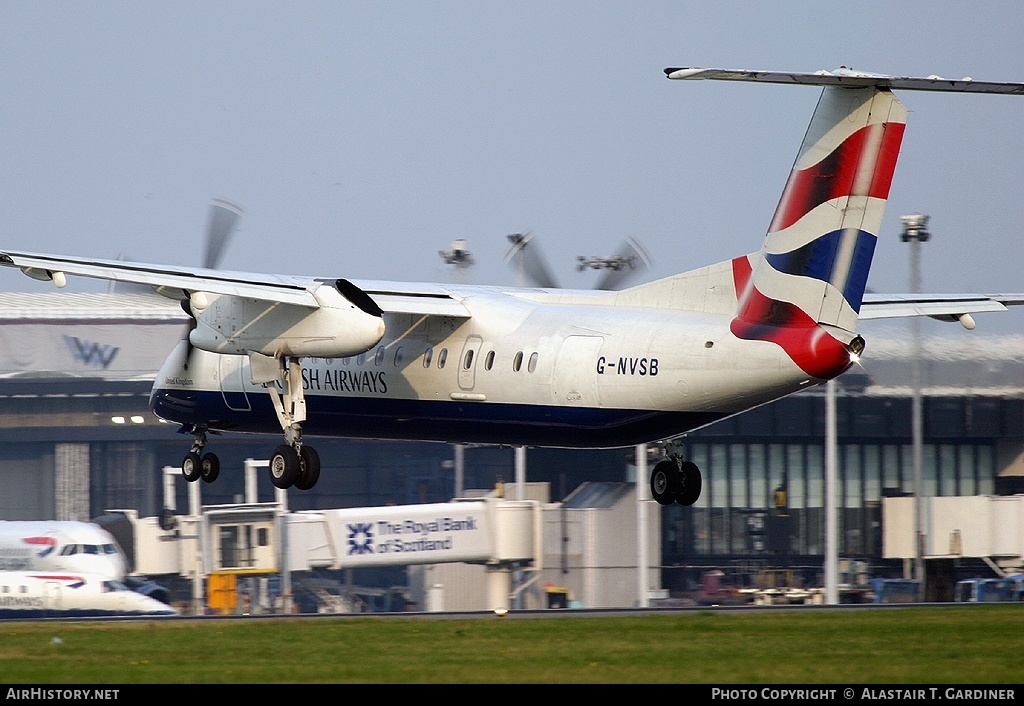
332	356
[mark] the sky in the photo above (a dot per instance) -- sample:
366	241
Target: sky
361	138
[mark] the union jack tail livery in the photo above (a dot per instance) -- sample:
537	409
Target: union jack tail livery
803	291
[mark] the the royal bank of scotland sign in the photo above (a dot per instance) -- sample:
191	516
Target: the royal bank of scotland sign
412	534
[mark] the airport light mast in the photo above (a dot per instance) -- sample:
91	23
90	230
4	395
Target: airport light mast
915	232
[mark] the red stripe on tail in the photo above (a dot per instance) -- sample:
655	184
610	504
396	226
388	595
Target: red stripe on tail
833	177
806	343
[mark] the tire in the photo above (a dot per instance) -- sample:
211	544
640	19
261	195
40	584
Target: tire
310	471
192	467
689	475
284	466
664	481
210	467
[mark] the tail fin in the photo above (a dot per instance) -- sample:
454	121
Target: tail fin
813	266
819	246
804	289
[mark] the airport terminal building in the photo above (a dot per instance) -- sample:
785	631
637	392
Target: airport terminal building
77	439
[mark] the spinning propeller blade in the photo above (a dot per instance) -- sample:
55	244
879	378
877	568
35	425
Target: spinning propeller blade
220	225
528	260
525	256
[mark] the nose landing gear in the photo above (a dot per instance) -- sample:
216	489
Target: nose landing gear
198	465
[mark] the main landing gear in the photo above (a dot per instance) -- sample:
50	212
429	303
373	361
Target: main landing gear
675	480
292	463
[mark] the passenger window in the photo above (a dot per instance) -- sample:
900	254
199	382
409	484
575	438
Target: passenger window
442	357
533	363
468	362
360	359
398	358
379	358
489	360
427	355
344	361
517	363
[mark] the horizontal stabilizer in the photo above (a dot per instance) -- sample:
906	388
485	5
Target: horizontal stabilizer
888	306
849	78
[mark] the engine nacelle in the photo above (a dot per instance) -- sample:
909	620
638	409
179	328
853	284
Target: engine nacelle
238	325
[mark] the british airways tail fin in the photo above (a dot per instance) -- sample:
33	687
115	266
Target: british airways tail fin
804	289
819	246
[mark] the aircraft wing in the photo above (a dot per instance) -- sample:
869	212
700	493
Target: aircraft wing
946	307
179	282
413	298
170	281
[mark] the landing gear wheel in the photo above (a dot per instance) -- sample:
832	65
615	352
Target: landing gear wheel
310	472
664	481
284	466
691	484
192	467
210	467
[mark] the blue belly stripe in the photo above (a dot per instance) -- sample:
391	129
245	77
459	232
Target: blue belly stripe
432	420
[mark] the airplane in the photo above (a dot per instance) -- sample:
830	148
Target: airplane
68	546
42	594
41	545
330	356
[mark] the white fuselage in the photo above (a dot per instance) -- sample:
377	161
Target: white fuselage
588	369
49	594
62	546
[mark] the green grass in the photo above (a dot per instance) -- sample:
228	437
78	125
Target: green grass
978	644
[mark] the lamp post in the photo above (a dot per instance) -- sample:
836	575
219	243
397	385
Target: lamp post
915	232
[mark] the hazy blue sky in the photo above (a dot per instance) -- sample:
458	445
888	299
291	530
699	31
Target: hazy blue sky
363	137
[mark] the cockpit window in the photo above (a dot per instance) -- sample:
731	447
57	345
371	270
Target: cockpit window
69	550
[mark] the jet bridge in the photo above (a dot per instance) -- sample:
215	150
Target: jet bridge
483	531
256	539
502	535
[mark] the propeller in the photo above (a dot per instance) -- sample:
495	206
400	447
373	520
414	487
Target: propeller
220	225
631	259
526	258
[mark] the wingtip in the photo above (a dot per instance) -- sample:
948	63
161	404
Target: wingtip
683	73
